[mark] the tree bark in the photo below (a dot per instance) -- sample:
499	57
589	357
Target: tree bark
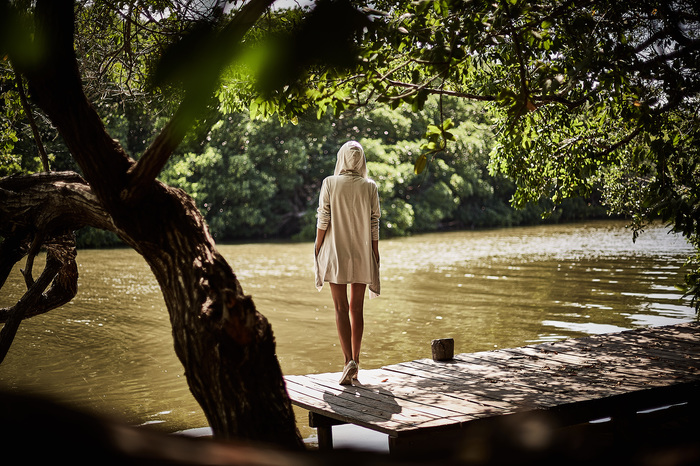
61	272
225	345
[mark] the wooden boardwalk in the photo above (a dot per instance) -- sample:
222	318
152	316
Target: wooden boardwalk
424	404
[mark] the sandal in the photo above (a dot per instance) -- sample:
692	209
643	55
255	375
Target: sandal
349	373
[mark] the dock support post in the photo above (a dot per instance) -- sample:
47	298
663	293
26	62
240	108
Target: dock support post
324	429
443	349
325	437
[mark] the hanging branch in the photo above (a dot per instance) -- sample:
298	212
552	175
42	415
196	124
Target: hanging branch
33	251
57	285
43	209
27	302
32	123
142	174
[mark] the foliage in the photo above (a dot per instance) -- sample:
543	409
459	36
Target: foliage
584	95
250	176
585	98
257	179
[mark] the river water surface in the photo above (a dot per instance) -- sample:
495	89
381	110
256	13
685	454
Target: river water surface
110	350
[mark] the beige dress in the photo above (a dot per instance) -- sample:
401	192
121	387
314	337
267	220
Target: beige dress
348	209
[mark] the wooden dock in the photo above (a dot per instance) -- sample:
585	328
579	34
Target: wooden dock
425	405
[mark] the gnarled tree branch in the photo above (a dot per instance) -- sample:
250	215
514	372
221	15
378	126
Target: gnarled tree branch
61	272
226	346
43	210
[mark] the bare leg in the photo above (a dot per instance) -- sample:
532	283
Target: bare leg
342	318
349	318
357	321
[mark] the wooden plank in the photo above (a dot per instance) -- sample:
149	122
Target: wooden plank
655	358
338	406
341	410
688	332
572	379
333	405
342	413
431	395
492	388
554	377
638	341
370	387
458	389
412	402
617	358
635	370
456	372
657	348
571	386
410	394
611	363
593	375
520	389
612	355
629	381
392	413
689	340
666	349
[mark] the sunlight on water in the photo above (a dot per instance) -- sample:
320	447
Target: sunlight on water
110	349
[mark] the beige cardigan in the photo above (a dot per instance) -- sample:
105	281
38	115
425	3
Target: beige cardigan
348	210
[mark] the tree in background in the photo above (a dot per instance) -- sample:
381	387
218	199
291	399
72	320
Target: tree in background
585	94
255	179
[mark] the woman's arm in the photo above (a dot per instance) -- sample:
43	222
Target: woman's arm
374	220
324	215
320	235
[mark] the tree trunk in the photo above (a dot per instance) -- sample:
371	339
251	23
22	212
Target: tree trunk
226	346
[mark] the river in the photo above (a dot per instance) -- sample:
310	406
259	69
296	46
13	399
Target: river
110	351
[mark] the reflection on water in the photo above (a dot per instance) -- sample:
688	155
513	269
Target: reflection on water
110	350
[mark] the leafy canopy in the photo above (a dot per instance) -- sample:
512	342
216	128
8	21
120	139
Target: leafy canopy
584	94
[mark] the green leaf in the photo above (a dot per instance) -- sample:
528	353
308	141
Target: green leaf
254	109
432	129
420	164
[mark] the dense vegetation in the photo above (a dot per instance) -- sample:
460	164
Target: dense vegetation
587	96
262	178
590	105
255	179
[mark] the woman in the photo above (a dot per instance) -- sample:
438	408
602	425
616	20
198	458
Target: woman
347	247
